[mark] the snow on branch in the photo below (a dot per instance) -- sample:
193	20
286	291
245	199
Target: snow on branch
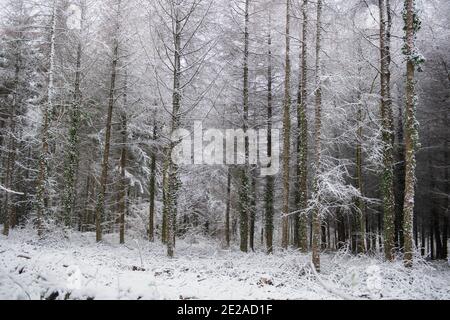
9	191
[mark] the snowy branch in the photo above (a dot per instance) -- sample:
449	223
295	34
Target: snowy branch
10	191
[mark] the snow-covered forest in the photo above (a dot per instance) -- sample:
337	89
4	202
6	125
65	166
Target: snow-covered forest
346	101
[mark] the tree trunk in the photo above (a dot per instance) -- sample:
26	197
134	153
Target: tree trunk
269	194
165	183
100	209
387	130
422	240
324	242
86	219
435	220
42	182
227	210
411	136
244	202
341	229
123	185
400	181
286	134
252	212
172	180
431	240
316	219
302	138
361	217
152	190
446	199
361	246
123	166
73	152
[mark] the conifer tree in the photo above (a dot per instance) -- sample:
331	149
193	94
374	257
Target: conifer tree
413	62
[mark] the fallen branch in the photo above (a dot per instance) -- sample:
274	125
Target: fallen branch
329	289
20	286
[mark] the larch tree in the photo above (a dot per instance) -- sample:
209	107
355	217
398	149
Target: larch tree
361	217
244	199
413	61
270	180
42	196
152	187
172	180
103	179
286	133
361	214
228	210
387	184
316	215
72	149
183	57
302	137
123	162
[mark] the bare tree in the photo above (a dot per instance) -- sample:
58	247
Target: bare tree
152	188
269	192
100	209
302	137
316	218
73	152
286	132
42	182
181	21
388	140
244	200
413	60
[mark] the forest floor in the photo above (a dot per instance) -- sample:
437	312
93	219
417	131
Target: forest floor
78	268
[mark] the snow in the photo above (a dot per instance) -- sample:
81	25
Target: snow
78	268
2	188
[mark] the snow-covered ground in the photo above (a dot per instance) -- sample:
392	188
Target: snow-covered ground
78	268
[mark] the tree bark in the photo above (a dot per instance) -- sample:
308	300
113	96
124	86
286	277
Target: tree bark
411	136
286	134
447	195
361	217
152	190
42	182
361	246
227	210
73	153
316	218
244	202
252	212
123	184
269	194
123	166
302	138
172	180
435	219
387	130
100	209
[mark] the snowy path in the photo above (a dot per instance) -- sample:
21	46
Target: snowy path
77	268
